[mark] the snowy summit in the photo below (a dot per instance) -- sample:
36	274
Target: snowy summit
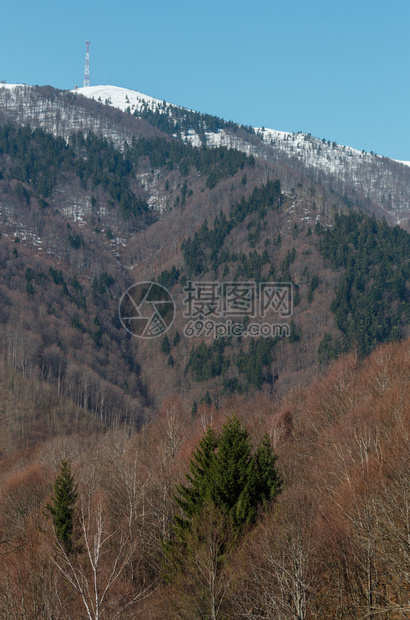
122	98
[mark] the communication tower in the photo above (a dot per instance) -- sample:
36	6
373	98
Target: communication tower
87	65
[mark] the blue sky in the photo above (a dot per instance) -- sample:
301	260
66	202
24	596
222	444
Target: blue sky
338	70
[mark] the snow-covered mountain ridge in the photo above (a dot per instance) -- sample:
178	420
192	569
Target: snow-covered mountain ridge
133	101
382	181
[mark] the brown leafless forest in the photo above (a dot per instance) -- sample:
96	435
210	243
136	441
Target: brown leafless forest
333	544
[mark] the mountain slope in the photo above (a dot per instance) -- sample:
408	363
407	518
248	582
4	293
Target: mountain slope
376	184
61	113
93	200
380	182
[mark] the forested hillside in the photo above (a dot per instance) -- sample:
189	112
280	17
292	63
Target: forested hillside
75	213
367	289
294	508
248	457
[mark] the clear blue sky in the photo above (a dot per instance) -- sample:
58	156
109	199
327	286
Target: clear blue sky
337	69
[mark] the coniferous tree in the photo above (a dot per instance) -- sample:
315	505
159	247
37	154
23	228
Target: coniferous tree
268	483
223	471
165	345
225	486
207	399
176	340
191	497
62	506
234	472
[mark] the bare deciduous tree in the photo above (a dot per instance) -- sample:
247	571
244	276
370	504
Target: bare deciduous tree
97	569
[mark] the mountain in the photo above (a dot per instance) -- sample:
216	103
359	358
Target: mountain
384	182
201	316
95	198
377	184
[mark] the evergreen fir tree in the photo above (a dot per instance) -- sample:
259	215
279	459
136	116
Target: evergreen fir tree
207	399
62	506
223	471
225	482
267	480
200	478
234	472
165	345
176	340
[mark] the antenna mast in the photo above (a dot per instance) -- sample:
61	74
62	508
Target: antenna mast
87	65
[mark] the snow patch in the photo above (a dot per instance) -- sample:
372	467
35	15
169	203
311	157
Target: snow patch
122	98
